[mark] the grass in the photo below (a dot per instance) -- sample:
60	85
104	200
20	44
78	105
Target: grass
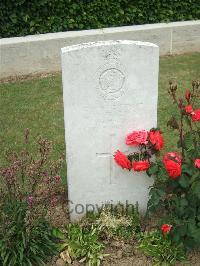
37	104
181	69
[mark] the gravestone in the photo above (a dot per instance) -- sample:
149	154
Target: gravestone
110	89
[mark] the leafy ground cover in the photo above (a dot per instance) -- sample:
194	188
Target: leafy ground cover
21	18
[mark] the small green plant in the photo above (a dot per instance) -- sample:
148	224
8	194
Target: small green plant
22	241
160	248
81	244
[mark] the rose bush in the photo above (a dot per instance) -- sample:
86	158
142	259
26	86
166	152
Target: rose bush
176	189
148	142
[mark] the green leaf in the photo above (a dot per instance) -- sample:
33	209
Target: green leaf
58	233
153	169
184	181
188	141
187	169
196	188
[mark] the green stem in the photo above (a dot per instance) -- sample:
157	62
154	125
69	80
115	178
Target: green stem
181	134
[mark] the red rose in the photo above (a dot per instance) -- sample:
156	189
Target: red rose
141	165
173	156
172	162
121	159
196	115
188	109
137	137
173	169
187	95
197	163
156	139
166	228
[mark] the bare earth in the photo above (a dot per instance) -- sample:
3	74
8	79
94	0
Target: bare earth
120	253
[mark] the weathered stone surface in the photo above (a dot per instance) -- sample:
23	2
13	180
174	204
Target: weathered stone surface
183	36
110	88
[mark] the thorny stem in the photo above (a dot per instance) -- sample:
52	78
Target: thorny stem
181	134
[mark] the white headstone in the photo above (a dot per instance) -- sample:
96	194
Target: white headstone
110	89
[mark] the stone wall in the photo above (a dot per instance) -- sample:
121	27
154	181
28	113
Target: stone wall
41	53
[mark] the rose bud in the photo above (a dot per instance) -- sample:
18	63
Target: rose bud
187	95
188	109
196	115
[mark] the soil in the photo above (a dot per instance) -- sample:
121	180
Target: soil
137	259
127	255
120	253
18	78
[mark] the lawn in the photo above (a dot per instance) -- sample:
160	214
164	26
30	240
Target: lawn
37	104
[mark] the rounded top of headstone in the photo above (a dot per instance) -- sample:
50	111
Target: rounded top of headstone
105	43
